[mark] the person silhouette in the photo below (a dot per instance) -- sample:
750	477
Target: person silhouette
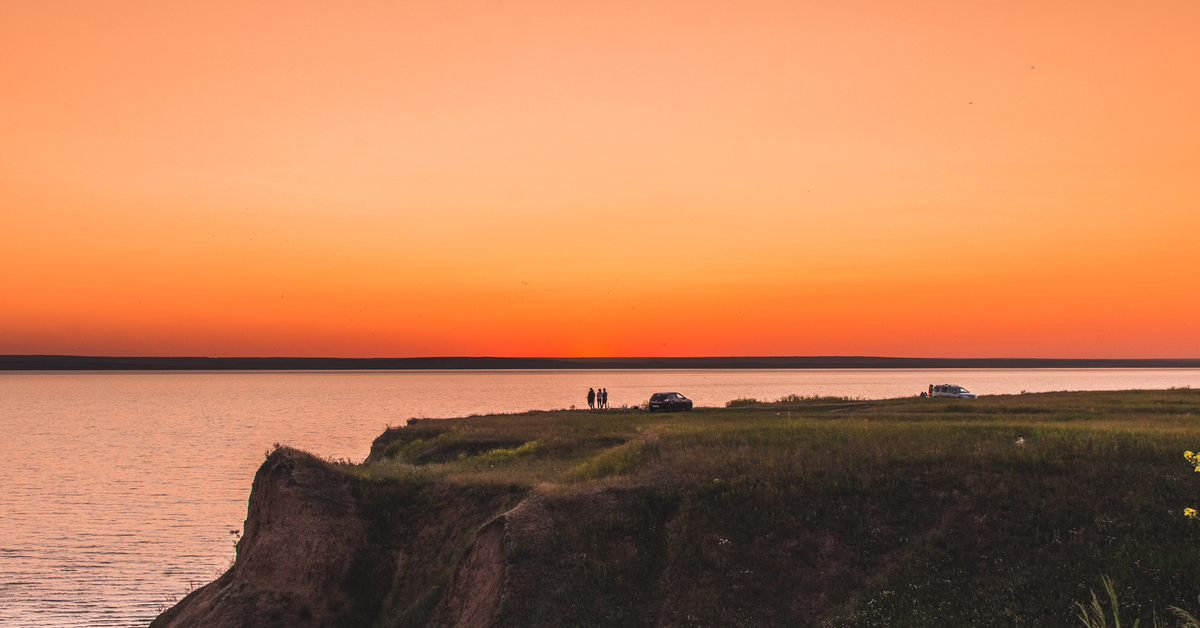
591	398
603	397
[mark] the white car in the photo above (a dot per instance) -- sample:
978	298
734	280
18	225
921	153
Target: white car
950	390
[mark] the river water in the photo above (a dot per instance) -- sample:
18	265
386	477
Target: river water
118	490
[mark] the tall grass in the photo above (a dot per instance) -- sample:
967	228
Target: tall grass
908	512
623	460
794	398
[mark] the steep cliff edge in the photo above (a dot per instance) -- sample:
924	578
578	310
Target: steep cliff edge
901	513
325	548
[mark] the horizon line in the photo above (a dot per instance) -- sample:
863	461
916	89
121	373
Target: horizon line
38	362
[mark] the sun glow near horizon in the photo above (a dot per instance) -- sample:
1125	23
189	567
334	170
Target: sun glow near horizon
600	179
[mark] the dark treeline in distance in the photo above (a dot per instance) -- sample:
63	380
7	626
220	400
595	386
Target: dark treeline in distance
101	363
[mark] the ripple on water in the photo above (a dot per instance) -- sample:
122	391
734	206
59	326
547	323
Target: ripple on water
120	488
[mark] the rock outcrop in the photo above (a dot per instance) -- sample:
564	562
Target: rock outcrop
325	548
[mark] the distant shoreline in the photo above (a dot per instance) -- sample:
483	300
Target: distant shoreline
118	363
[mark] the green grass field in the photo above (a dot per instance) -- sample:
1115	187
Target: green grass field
999	511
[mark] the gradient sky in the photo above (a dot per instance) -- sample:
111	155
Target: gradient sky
360	179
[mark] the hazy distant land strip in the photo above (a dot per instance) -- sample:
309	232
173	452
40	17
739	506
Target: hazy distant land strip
113	363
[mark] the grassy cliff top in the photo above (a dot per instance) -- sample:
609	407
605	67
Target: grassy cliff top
791	439
998	511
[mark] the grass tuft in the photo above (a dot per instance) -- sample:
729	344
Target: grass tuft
619	461
794	398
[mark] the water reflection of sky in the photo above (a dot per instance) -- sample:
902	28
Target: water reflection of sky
121	488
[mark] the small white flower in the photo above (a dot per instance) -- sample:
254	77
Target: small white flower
1021	441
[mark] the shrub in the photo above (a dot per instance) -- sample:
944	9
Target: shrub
794	398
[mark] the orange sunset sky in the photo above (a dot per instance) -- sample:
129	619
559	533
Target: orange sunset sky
362	179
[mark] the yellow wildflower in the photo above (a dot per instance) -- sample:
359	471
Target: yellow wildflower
1189	512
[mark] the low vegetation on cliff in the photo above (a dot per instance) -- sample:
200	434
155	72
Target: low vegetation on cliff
998	511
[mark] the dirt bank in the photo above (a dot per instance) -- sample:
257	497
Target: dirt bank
903	513
324	548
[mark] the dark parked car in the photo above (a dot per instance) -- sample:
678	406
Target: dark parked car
669	401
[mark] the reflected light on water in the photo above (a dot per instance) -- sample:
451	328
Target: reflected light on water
121	488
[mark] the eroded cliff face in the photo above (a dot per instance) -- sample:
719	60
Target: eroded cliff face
325	548
752	521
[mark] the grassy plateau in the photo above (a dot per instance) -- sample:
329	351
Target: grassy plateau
997	511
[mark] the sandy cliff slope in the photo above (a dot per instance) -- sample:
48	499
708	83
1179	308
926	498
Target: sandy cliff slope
322	548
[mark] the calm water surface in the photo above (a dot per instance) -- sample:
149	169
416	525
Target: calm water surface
119	490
